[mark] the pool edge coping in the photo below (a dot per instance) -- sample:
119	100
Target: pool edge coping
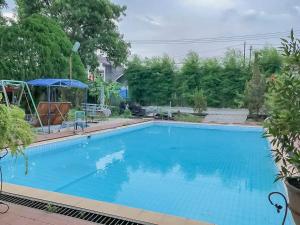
112	209
135	125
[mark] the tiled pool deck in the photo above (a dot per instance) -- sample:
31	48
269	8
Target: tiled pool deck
23	215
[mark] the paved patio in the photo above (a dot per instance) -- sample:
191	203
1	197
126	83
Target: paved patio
19	215
214	115
234	116
94	127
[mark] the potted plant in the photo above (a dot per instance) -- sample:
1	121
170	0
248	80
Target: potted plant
15	132
283	124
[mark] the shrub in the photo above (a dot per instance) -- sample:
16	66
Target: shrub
199	101
127	113
255	91
283	125
15	132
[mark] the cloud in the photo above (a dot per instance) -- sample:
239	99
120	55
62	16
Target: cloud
9	15
212	4
297	8
152	20
254	13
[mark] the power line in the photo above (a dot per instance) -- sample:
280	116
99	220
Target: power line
236	38
245	35
200	52
244	53
179	57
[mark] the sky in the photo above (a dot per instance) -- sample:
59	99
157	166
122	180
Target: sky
176	27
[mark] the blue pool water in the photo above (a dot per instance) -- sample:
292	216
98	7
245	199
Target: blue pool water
218	174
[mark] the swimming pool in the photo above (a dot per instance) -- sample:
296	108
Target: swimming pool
218	174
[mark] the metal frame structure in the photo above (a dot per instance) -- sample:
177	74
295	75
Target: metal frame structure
61	83
24	88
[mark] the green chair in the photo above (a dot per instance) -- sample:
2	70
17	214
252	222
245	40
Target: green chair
80	120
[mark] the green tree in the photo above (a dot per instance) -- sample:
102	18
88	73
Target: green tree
160	80
269	61
222	81
283	124
29	7
255	91
233	76
188	79
2	5
151	80
91	22
200	103
34	48
135	74
110	91
211	81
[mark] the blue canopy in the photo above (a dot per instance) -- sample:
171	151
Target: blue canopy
123	92
58	83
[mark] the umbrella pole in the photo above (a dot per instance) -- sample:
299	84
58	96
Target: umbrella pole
49	99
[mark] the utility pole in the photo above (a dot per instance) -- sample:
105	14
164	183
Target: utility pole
74	50
70	66
250	55
244	53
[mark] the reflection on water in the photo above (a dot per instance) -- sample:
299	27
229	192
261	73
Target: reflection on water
103	162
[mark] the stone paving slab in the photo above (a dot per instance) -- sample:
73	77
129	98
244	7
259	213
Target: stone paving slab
20	215
105	125
235	116
236	119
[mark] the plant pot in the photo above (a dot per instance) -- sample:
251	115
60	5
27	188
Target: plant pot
294	197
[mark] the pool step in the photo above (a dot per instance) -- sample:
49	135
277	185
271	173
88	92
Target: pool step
79	213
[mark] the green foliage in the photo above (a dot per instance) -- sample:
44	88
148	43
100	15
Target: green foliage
91	22
2	5
111	91
223	81
15	132
51	208
283	124
255	91
269	61
29	7
156	81
151	80
127	113
34	48
188	79
200	103
95	88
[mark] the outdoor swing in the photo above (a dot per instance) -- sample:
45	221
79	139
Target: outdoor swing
12	92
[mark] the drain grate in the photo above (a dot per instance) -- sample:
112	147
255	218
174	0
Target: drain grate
78	213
